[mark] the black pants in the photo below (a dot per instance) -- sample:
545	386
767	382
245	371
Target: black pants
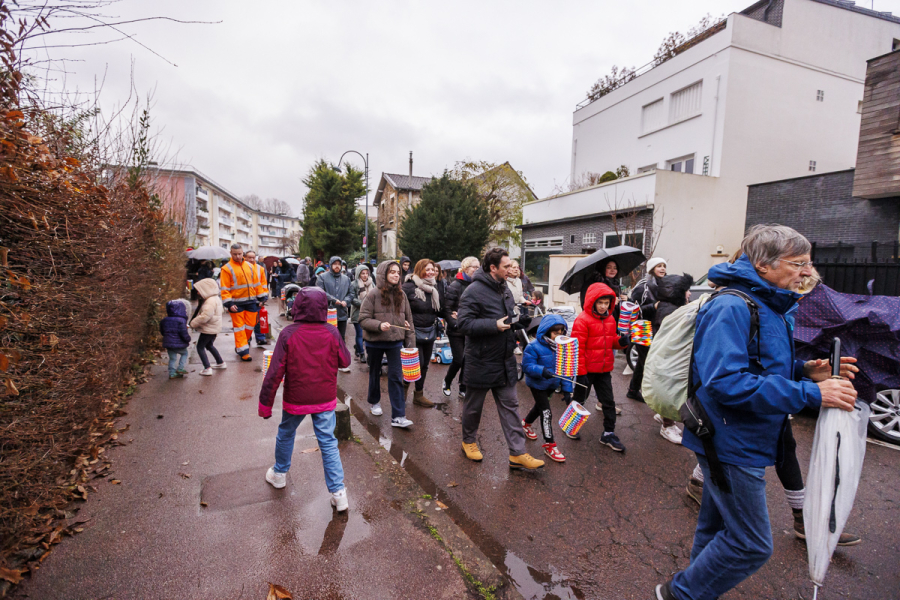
458	349
542	409
789	471
425	349
637	378
342	329
204	343
602	384
396	391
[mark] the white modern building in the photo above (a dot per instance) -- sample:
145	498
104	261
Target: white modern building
773	92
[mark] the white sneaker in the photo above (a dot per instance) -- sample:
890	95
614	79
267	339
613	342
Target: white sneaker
671	434
339	500
344	369
401	422
375	409
517	350
206	371
220	366
658	418
278	480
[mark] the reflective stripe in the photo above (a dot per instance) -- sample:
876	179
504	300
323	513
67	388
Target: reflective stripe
242	348
239	287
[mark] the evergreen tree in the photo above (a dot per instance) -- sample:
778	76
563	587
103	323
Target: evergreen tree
331	223
450	222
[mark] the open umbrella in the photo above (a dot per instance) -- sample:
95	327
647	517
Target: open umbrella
447	265
292	261
626	257
209	253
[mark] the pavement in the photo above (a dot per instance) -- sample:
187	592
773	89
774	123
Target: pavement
602	525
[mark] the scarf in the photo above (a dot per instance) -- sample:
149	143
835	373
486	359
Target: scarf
363	288
424	286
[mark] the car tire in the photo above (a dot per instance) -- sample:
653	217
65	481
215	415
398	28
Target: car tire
631	355
884	422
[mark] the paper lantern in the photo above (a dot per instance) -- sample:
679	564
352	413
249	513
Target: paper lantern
267	360
628	314
642	332
332	316
574	417
566	356
409	359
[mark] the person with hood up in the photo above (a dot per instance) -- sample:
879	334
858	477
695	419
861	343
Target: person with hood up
606	272
359	289
302	275
336	286
405	269
457	338
539	364
208	321
672	292
597	334
307	356
644	295
387	320
175	337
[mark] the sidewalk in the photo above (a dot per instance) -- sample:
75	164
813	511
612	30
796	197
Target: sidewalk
193	516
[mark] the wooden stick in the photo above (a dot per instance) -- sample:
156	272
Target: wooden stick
572	381
403	328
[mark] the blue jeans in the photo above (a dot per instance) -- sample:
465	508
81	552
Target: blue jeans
323	425
733	538
395	379
174	354
360	345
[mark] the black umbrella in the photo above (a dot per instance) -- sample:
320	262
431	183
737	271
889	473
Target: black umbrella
447	265
625	257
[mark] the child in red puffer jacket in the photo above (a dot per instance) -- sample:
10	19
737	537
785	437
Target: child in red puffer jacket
596	331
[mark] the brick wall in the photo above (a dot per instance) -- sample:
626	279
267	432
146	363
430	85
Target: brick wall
823	209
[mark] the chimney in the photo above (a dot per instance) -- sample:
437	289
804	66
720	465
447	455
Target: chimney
410	163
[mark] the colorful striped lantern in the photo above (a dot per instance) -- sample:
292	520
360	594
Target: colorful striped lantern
283	294
332	316
628	314
566	356
573	418
641	332
267	360
409	358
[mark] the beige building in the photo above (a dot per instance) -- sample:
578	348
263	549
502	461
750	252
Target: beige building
395	194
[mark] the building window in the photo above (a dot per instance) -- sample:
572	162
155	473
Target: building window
895	45
635	239
812	165
588	238
556	242
652	116
820	95
685	103
859	107
685	164
572	239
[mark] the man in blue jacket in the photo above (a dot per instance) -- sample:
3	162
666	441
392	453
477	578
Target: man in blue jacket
748	390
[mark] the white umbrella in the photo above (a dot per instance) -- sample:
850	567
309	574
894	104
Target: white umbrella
835	466
209	253
292	261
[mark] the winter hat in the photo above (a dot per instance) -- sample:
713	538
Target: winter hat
655	262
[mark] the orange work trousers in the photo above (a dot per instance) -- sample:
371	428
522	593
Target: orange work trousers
243	323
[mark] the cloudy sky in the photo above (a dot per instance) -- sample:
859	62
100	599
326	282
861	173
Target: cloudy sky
256	98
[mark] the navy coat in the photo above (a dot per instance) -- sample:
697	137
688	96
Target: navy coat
174	327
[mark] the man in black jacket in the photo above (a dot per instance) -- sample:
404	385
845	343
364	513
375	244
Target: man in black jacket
488	317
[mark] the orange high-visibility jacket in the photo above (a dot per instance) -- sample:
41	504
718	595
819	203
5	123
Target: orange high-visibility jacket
263	294
240	284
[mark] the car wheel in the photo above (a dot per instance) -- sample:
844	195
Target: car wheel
631	356
884	422
520	372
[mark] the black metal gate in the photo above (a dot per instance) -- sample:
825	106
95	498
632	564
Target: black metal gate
849	275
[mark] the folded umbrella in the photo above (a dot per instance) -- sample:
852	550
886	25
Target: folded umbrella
626	258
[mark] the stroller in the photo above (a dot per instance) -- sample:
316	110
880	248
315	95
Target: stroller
288	293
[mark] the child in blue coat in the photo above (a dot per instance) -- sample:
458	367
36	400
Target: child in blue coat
175	337
539	364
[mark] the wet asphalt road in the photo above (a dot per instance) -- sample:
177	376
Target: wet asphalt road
609	525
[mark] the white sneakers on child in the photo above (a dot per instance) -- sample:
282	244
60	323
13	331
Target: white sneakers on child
671	433
278	480
207	371
375	409
220	366
339	500
344	369
401	422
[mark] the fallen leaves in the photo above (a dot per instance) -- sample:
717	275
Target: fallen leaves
185	475
441	504
14	576
309	450
276	592
452	484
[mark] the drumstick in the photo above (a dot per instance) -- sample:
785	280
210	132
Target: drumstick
572	381
398	327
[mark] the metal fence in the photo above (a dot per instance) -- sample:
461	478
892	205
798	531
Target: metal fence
848	275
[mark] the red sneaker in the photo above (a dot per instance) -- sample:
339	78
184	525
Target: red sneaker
529	432
553	452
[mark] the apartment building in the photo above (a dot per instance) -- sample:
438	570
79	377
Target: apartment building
771	93
213	216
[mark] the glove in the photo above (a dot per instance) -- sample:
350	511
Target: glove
548	374
624	340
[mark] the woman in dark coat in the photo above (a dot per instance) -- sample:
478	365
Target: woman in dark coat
607	273
426	303
457	338
644	294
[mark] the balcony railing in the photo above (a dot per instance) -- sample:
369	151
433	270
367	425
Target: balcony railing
226	207
226	220
241	226
202	193
204	231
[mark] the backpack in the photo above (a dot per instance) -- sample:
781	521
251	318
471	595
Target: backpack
668	387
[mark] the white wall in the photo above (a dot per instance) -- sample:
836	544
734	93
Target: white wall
605	197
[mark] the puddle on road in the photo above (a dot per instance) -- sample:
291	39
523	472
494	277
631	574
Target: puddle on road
532	583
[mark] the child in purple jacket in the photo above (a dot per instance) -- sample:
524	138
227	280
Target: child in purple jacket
307	356
175	337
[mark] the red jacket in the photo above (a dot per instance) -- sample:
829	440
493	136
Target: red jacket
597	338
307	356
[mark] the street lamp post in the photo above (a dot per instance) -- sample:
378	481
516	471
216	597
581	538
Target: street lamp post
366	234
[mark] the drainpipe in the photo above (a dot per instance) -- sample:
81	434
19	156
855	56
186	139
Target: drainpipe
712	149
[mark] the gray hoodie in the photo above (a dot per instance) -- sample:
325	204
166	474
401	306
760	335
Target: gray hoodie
337	287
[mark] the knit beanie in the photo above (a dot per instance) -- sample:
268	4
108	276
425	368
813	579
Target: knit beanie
655	262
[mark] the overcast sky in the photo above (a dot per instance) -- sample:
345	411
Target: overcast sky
256	99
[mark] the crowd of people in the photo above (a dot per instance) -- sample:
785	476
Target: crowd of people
748	382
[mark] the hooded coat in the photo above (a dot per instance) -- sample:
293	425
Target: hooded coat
404	273
454	293
355	287
307	356
372	313
671	292
173	327
748	403
209	319
489	350
644	294
337	287
542	355
597	335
